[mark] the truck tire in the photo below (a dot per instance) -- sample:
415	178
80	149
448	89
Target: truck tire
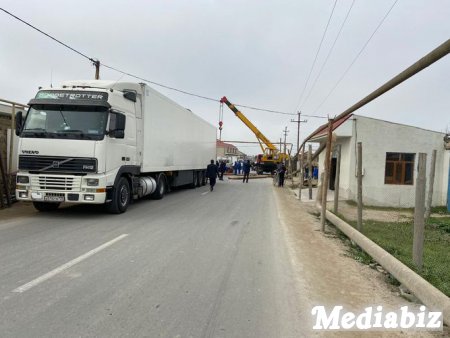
121	197
194	180
45	206
160	188
203	178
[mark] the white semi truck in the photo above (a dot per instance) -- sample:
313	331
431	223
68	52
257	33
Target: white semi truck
102	142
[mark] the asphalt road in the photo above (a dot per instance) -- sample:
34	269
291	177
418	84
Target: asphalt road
195	264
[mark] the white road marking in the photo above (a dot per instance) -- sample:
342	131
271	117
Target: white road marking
66	266
204	193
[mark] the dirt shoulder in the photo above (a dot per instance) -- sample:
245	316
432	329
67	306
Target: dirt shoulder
327	276
350	212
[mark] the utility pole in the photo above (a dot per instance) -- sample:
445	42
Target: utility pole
298	121
96	63
285	131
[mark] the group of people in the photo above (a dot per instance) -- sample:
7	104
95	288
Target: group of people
217	169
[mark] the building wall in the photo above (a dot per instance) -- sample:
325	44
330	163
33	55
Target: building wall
379	137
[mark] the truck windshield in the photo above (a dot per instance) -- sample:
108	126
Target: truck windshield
63	121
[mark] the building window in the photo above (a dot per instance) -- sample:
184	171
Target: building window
399	168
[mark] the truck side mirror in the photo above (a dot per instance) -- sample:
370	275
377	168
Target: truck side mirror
19	122
118	134
129	95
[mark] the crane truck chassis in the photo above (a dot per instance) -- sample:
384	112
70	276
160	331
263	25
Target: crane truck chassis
271	156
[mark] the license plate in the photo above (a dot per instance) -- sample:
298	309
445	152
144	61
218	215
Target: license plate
54	198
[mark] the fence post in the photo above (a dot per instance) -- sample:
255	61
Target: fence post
419	223
360	200
336	181
310	174
326	175
431	185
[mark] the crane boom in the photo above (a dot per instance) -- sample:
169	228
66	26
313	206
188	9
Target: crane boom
260	136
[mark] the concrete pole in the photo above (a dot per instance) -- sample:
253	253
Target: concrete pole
300	175
431	185
319	191
285	131
359	183
326	175
97	69
310	171
419	221
336	181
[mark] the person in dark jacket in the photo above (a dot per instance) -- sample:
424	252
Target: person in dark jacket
281	173
211	173
246	170
222	169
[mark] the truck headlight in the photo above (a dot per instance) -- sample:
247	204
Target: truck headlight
23	179
92	182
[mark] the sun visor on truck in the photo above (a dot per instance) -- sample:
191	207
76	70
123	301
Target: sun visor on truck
81	98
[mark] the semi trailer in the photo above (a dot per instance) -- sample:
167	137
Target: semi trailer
105	142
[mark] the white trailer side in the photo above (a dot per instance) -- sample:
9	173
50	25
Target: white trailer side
174	137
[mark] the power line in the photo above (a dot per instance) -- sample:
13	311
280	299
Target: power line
317	54
48	35
329	53
97	63
356	57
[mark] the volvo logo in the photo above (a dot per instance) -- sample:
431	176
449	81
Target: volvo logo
55	164
30	152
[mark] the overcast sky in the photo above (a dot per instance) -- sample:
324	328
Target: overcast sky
257	53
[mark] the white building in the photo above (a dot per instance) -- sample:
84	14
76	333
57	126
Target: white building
389	160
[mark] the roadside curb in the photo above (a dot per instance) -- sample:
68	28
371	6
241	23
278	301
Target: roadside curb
423	290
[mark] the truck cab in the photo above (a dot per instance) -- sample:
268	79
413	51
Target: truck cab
75	139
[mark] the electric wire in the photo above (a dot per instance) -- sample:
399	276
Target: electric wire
356	58
328	56
48	35
142	78
317	54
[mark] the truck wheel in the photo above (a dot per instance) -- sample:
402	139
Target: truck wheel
194	180
203	178
44	206
160	188
121	197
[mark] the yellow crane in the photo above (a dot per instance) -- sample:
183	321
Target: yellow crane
271	156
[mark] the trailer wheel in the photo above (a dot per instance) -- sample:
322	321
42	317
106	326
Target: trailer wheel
121	197
45	207
160	188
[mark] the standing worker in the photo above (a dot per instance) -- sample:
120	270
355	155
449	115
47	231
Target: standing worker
222	169
246	170
281	173
211	173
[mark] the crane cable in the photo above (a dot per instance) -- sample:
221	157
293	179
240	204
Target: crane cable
220	120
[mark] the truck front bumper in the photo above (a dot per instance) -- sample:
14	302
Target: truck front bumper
57	189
